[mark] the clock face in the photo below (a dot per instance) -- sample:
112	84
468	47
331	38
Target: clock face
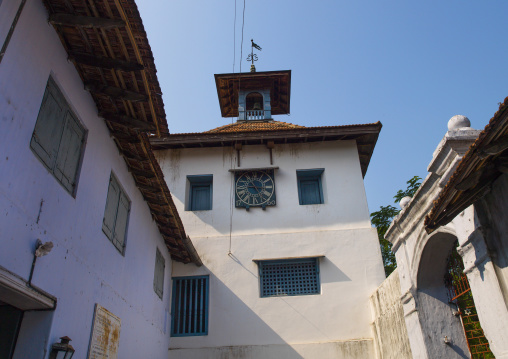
254	188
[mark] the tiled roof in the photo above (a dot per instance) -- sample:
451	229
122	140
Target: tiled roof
252	126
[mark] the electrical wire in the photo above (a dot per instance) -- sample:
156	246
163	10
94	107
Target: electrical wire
234	41
231	160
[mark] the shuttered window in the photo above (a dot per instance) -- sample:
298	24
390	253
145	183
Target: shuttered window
58	138
116	214
189	307
289	277
158	279
310	190
200	192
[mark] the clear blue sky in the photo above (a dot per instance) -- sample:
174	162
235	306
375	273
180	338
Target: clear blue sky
409	64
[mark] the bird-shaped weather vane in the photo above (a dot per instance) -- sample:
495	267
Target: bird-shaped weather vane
252	56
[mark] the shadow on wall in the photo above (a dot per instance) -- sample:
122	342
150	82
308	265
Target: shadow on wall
435	311
236	331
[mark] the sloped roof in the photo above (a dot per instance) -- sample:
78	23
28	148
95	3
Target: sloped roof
107	43
260	132
483	163
251	126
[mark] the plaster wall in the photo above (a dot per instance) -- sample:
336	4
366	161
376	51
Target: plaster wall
84	267
392	341
339	230
345	203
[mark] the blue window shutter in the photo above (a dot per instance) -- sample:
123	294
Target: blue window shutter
309	186
122	217
200	198
69	152
108	223
48	129
200	192
310	191
189	306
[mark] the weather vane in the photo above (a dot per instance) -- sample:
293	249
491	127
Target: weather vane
252	56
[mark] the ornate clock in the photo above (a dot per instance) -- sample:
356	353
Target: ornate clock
254	188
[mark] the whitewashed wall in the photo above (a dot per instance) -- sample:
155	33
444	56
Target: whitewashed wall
339	229
84	267
392	341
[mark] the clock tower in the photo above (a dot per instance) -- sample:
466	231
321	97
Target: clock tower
254	96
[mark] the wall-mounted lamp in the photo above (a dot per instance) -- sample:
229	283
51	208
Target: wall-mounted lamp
41	249
62	350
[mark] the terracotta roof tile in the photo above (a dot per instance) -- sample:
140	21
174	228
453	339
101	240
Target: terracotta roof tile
253	126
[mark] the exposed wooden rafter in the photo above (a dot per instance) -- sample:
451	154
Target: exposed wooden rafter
127	121
115	92
64	19
104	62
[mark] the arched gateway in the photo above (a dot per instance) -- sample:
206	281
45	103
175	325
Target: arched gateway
431	272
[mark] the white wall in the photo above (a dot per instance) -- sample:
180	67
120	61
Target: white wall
345	204
84	267
339	229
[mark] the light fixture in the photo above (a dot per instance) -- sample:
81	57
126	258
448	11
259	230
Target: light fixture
62	350
41	249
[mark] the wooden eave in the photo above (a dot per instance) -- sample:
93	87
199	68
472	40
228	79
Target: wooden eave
106	41
365	136
228	86
483	163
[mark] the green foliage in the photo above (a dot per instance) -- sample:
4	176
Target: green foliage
383	218
412	186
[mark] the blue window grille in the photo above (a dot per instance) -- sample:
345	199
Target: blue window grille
189	308
200	192
310	190
289	277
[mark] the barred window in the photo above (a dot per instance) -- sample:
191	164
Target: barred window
189	308
289	277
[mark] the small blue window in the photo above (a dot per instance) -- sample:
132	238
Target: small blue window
189	308
310	190
289	277
200	192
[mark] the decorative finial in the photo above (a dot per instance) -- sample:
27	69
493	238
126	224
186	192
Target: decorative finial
458	122
252	56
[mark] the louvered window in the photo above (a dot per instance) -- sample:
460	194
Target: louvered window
289	277
58	138
116	214
158	279
189	308
310	190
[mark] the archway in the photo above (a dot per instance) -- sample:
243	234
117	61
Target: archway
443	331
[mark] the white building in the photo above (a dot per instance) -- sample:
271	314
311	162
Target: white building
279	217
90	187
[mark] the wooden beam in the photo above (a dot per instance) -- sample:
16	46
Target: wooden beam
128	121
494	148
115	92
139	173
85	21
104	62
470	181
150	189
